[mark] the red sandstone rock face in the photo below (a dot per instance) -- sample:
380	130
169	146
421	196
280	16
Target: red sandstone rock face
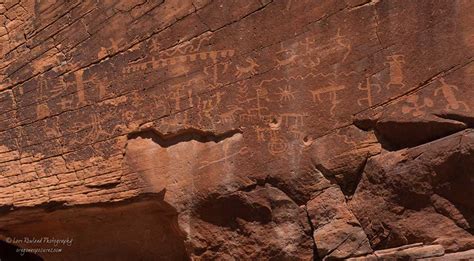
237	130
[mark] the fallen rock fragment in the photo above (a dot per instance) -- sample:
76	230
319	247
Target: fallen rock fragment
337	233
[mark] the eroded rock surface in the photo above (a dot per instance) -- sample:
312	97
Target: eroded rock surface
238	130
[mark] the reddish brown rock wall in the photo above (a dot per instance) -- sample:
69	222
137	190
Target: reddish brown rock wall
283	130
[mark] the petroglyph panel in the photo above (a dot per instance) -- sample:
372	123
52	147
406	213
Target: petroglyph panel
80	81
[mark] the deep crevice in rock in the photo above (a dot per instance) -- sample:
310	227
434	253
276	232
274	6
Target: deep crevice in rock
395	135
168	140
315	248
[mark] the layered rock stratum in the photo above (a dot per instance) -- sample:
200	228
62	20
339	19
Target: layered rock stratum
236	130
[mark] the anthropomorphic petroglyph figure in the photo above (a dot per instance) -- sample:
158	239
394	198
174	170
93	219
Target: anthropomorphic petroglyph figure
448	91
344	43
332	90
369	88
207	106
177	96
414	107
250	69
396	73
260	131
258	111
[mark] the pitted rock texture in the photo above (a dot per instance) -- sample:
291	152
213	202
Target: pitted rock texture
237	130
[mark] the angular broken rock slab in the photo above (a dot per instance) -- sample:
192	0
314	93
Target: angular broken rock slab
341	156
337	233
421	194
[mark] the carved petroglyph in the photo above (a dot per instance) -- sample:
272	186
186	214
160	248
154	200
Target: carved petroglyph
260	131
291	60
286	94
251	68
292	119
297	133
114	46
225	148
293	122
47	91
42	111
157	63
332	91
448	92
301	53
176	95
396	73
369	88
93	129
207	106
258	111
80	87
185	48
277	143
80	84
229	116
344	43
214	71
416	108
154	45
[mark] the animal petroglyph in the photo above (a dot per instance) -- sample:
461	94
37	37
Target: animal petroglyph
448	92
287	61
251	68
396	73
369	88
185	48
229	116
416	108
332	91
